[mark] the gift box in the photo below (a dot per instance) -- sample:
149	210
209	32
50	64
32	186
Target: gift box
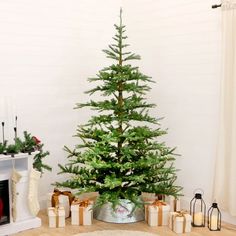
148	196
56	217
158	213
180	222
173	202
81	212
147	203
62	199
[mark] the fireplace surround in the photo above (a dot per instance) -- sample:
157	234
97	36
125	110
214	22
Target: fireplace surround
22	163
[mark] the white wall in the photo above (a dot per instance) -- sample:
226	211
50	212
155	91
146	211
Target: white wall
49	48
180	45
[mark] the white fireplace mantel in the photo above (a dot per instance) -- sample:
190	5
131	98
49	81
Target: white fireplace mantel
22	163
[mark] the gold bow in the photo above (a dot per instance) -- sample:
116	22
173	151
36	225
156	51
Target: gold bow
57	193
81	203
179	214
158	203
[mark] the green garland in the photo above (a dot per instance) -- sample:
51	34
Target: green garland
29	144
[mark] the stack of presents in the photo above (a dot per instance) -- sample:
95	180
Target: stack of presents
167	213
62	205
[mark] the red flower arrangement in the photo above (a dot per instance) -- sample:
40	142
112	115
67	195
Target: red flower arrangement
36	140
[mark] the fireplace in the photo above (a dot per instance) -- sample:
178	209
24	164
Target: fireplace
24	219
4	202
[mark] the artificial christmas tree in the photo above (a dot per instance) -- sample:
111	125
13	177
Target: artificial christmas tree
119	155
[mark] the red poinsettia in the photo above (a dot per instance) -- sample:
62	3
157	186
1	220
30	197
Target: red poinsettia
36	140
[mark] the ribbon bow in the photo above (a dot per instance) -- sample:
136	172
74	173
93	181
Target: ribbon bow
81	203
158	203
180	214
57	193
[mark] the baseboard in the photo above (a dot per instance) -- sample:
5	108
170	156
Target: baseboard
16	227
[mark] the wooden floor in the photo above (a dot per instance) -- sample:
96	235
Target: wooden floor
227	230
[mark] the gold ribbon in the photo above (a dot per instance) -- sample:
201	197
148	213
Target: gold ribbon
81	215
159	204
57	193
82	204
179	214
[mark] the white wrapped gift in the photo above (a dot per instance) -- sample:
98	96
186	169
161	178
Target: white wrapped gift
173	202
180	222
64	201
158	213
147	203
56	217
81	212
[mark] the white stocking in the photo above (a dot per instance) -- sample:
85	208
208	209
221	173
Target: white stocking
33	192
16	176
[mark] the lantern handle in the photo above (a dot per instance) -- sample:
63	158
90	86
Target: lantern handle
198	190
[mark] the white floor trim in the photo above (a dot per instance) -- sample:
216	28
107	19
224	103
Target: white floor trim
16	227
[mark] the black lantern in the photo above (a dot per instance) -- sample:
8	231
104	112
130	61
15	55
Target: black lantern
198	210
214	218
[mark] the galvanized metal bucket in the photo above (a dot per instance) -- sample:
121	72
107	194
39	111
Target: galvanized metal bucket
122	214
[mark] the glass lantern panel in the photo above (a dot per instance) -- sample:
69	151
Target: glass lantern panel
198	212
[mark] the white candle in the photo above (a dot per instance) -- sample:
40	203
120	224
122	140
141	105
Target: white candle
198	219
213	221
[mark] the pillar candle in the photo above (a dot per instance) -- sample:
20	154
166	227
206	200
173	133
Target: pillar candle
198	217
213	220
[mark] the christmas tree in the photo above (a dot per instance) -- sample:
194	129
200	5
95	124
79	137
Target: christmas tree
119	155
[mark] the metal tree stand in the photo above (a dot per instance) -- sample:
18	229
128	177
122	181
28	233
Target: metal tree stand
122	213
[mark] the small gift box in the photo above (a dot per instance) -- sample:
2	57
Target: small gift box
60	198
81	212
173	202
147	203
180	222
56	217
158	213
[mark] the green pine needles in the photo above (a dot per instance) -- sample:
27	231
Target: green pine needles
30	144
39	158
119	155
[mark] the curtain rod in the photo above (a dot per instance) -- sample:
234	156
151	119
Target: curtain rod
216	6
